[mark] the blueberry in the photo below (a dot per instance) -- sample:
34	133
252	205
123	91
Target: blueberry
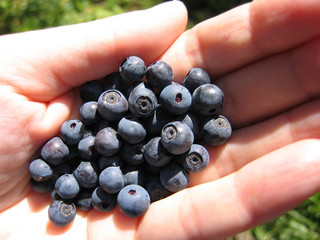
83	200
87	150
134	175
131	130
195	78
108	161
90	91
157	121
114	81
132	69
87	174
142	102
196	159
174	177
156	190
176	99
89	113
103	201
42	186
133	200
40	170
111	179
67	186
155	154
159	74
132	153
55	151
61	213
107	142
208	99
217	130
176	137
112	105
72	131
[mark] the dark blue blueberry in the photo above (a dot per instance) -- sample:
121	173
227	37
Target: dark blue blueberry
131	130
40	170
67	186
208	99
110	161
195	78
89	113
111	179
61	213
42	186
87	174
114	81
176	99
133	200
112	105
155	154
176	137
193	121
103	201
196	159
107	142
156	190
134	175
217	130
157	121
159	74
132	69
55	151
174	177
87	150
90	91
83	200
72	131
142	102
132	153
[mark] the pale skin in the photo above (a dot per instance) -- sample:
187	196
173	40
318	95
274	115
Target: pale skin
266	58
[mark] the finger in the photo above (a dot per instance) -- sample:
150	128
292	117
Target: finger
250	143
112	225
52	61
257	193
244	35
268	87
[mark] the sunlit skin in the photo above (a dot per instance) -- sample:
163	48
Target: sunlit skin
265	56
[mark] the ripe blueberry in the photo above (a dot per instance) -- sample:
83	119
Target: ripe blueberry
55	151
174	177
112	105
61	213
133	200
195	78
40	170
176	99
103	201
196	159
217	130
142	102
111	179
155	154
208	99
67	186
176	137
132	69
86	174
159	74
107	142
131	130
72	131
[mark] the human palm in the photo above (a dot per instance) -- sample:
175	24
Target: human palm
264	56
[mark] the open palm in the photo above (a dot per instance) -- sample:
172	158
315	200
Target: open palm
265	57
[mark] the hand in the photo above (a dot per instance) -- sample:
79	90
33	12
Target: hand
264	56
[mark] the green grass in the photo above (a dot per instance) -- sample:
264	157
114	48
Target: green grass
302	223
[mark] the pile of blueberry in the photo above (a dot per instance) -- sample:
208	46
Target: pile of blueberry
136	142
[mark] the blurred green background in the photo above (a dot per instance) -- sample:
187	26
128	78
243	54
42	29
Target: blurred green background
302	223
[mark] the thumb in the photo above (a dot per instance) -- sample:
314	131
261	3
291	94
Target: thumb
55	60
